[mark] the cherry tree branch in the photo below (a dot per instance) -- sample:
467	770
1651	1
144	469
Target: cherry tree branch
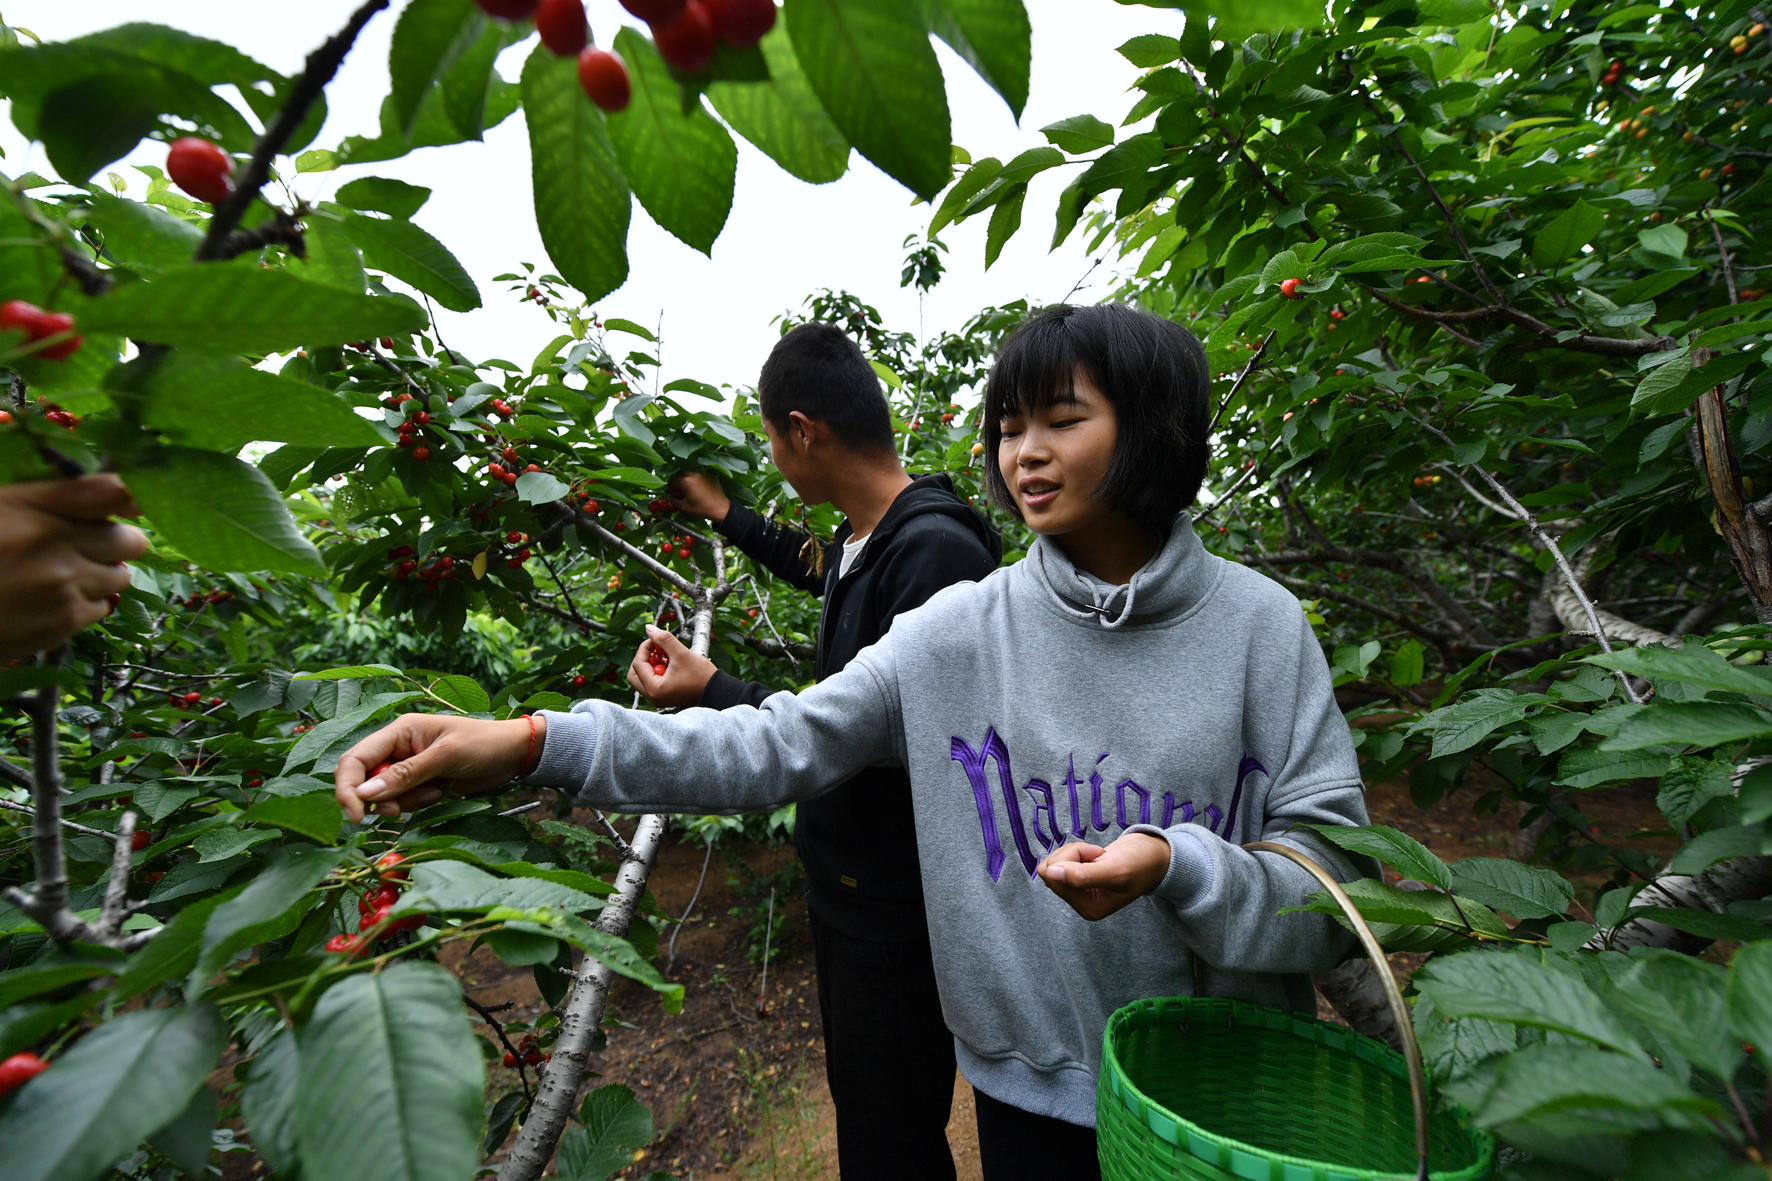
1242	378
1550	544
319	69
65	823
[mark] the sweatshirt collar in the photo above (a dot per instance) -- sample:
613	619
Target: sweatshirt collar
1170	584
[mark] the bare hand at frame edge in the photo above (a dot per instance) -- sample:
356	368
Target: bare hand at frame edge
1096	882
61	558
431	755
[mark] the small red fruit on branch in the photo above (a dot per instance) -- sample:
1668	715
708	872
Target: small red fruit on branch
140	840
1289	288
201	169
655	12
562	26
347	944
604	79
688	41
389	863
742	23
38	324
18	1070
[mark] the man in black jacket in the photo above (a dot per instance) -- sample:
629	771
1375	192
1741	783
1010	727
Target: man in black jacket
888	1055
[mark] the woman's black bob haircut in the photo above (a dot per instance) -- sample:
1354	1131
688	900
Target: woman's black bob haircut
1152	370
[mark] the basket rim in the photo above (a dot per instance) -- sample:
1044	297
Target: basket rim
1191	1134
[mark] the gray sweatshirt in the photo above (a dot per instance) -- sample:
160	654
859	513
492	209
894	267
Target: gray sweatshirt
1036	707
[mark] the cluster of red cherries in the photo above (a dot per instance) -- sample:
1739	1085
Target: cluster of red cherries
37	325
528	1051
190	700
686	31
373	909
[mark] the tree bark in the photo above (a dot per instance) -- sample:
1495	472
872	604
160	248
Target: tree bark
1750	543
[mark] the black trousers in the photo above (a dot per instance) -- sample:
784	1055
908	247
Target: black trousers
1014	1145
888	1056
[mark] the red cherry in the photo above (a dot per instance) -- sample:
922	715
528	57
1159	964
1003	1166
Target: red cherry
510	1058
580	681
201	169
507	478
18	1070
592	508
193	697
513	537
379	898
523	554
408	566
1289	288
655	12
389	863
347	944
140	839
742	22
511	10
684	552
561	24
688	41
400	551
421	453
37	324
533	467
604	79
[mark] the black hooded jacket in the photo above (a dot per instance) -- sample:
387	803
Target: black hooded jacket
858	842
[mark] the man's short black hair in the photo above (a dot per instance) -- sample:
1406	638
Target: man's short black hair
1153	371
820	372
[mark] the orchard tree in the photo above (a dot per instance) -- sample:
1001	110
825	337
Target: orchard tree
1479	289
178	879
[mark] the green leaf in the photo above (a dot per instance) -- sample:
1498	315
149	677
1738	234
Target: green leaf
390	1080
782	116
171	953
187	1140
581	199
222	404
464	693
1564	237
1720	844
1151	49
992	36
1690	784
1750	998
316	815
333	260
681	165
1379	903
1515	989
871	65
1669	240
143	237
1692	665
381	194
1398	850
246	309
1463	725
412	256
1005	220
971	183
1703	923
21	1026
440	887
322	737
540	488
1692	723
431	34
1589	766
264	906
1524	891
1079	134
615	1123
351	672
267	1101
1549	1079
220	512
114	1087
1408	663
522	948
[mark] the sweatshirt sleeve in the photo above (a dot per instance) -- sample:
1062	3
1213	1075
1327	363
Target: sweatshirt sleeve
776	546
736	760
931	554
1226	899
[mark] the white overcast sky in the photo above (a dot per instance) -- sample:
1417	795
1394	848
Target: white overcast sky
783	239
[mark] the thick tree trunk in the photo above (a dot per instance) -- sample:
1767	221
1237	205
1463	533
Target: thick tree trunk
1732	881
1356	991
1740	521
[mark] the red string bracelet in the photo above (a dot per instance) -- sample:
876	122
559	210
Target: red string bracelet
529	759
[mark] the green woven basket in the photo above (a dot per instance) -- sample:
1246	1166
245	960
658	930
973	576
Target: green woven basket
1210	1089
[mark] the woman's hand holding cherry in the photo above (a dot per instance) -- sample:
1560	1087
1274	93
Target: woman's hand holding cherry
1097	881
411	762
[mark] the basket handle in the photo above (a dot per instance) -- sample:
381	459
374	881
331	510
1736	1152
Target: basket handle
1392	993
